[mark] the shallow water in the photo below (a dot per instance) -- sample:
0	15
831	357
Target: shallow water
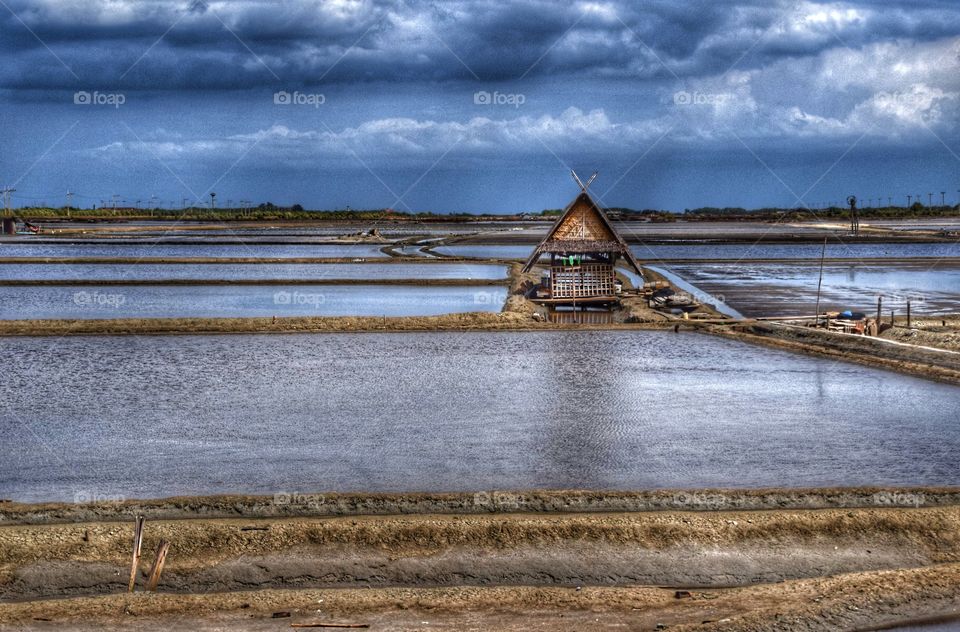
247	271
775	289
141	416
660	252
119	249
216	301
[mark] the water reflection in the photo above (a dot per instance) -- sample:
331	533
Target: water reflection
456	411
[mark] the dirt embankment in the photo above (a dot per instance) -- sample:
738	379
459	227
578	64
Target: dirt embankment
322	504
876	556
854	601
906	358
714	549
145	326
521	283
942	332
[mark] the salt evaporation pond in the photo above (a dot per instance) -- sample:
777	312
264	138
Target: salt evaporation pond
182	250
143	416
777	289
245	301
246	271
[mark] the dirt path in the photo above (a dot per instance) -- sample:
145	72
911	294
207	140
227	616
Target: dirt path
871	557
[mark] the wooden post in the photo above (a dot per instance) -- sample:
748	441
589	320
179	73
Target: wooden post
137	543
891	318
879	314
157	567
908	313
823	253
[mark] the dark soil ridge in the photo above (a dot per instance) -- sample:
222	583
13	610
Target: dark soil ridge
319	504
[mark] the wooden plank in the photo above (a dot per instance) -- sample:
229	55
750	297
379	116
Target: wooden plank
154	578
137	544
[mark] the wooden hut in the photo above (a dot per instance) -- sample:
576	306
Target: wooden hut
584	249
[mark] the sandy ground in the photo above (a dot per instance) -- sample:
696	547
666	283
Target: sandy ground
906	358
876	556
940	331
858	601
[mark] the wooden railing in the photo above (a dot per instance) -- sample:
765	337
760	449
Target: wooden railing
583	281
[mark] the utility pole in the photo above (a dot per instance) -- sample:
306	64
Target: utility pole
909	198
69	205
943	198
6	200
115	196
9	224
929	199
854	215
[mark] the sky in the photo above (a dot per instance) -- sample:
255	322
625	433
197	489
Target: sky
479	106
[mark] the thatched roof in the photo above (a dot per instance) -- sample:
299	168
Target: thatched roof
582	228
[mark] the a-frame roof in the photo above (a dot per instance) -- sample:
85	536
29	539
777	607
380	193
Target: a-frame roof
583	227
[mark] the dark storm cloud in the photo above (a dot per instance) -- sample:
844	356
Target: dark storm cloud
248	43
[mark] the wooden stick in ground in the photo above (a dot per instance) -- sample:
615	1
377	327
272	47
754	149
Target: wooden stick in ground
157	567
137	543
329	625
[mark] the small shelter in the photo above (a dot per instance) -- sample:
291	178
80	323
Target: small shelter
584	249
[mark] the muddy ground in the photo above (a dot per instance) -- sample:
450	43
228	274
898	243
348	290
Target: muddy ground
510	561
934	363
933	331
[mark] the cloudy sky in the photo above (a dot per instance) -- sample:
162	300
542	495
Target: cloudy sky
480	106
